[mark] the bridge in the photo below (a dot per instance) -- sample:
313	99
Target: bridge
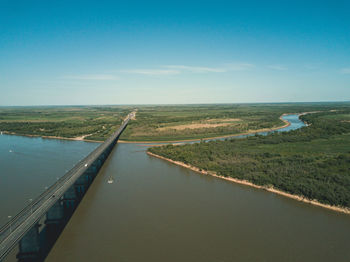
39	224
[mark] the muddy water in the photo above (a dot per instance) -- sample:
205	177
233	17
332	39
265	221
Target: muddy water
156	211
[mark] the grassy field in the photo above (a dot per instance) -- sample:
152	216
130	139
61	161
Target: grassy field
153	123
85	122
313	162
169	123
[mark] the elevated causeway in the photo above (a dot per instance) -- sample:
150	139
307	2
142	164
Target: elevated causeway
38	225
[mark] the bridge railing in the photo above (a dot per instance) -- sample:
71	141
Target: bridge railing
26	212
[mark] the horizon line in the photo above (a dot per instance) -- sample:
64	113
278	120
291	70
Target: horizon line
172	104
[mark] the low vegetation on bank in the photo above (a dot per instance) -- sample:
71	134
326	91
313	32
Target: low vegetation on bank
313	162
91	123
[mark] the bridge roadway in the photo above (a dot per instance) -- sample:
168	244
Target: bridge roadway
12	232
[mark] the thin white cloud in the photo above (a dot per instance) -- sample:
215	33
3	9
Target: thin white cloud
196	69
278	67
345	71
312	66
239	66
97	77
222	69
179	69
152	72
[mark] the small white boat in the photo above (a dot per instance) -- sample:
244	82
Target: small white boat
110	180
86	165
10	151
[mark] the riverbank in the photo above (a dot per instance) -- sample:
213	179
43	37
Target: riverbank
80	138
247	183
286	124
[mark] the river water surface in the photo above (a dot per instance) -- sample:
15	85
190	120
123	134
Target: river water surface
157	211
29	165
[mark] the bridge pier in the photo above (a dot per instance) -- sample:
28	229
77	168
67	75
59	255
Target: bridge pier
55	215
54	223
81	185
94	168
89	177
98	163
103	156
29	246
70	199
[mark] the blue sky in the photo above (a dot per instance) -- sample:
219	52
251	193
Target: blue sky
146	52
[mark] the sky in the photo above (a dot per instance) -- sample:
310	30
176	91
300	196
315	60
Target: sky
168	52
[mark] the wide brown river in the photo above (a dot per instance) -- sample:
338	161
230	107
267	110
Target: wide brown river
157	211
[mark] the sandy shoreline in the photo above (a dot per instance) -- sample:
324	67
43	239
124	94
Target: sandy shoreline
80	138
286	124
247	183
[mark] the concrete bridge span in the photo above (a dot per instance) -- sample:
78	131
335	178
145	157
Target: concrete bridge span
39	224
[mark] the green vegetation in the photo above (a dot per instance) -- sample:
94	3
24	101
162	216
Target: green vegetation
313	161
90	122
153	123
169	123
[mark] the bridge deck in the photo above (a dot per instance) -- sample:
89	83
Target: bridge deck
12	232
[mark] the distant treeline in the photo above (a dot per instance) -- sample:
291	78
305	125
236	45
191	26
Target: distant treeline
97	123
60	129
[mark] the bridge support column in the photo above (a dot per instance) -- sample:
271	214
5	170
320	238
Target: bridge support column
29	246
81	185
91	171
70	199
94	168
98	164
103	156
89	177
55	221
55	215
